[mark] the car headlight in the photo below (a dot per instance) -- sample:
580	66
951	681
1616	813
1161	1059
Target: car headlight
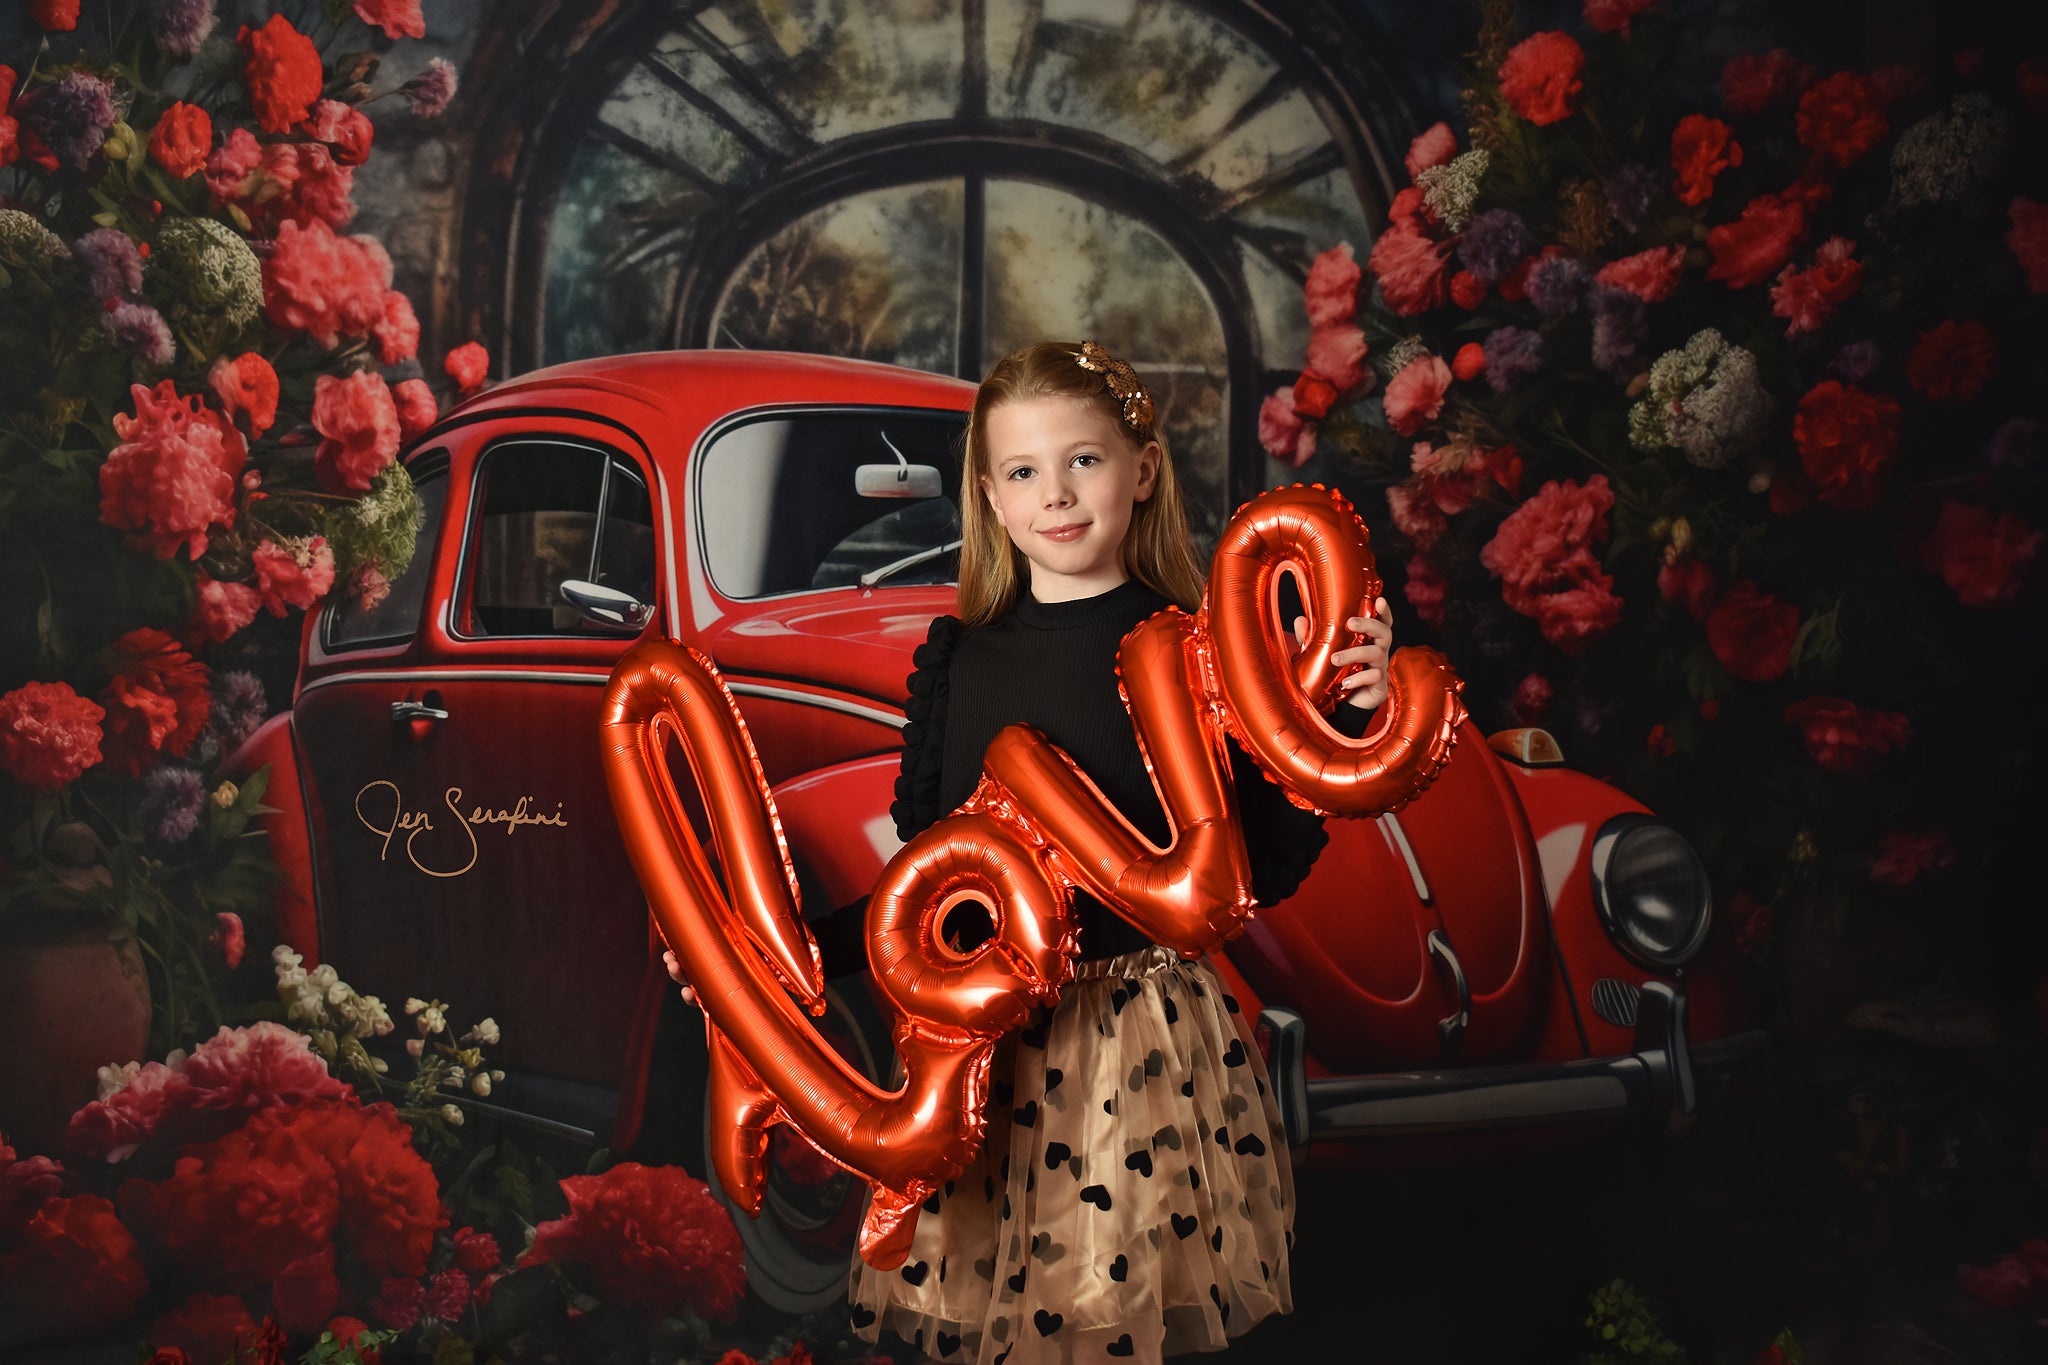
1651	891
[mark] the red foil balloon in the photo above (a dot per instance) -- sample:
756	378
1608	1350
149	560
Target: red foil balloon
1034	829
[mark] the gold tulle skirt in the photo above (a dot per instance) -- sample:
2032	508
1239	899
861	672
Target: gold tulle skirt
1134	1198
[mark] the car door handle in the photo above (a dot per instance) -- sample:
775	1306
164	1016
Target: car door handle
1450	1031
403	711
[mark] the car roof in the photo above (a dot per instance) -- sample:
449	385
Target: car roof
678	383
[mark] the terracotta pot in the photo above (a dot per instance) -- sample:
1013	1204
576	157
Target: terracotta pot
68	1006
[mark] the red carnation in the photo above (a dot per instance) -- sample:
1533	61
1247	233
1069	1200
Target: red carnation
306	1292
1416	394
2028	238
1613	16
1533	695
1425	590
246	383
1467	291
1751	633
1983	561
1281	431
1754	246
1410	266
1313	395
48	735
1841	118
1905	854
400	1302
397	18
295	573
1701	148
1540	77
1331	292
1845	738
652	1239
1433	147
54	16
345	129
1337	353
476	1252
417	410
1470	361
1757	81
172	478
448	1295
1690	583
220	610
206	1327
468	365
71	1267
157	702
181	139
1650	275
281	67
398	332
1953	361
390	1201
360	422
1542	553
1808	298
322	284
1846	438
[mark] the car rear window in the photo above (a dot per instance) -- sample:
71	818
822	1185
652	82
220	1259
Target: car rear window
779	510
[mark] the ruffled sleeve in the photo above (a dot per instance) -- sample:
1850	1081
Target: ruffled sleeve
1282	840
916	806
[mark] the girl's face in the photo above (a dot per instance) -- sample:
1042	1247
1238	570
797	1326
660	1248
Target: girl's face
1063	477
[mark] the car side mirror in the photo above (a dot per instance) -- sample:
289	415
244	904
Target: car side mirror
897	481
607	608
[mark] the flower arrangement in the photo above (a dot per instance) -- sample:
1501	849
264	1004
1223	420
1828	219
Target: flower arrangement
205	380
1708	422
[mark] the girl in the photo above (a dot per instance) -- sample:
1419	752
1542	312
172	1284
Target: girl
1133	1197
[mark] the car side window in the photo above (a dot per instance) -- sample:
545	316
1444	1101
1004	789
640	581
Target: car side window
353	624
784	506
553	511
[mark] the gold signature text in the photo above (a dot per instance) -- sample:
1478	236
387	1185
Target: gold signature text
382	809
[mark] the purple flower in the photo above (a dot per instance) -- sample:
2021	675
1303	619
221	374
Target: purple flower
238	706
181	26
2016	445
1512	355
430	91
72	115
172	797
113	267
1555	284
1495	242
1855	362
140	328
1631	192
1621	324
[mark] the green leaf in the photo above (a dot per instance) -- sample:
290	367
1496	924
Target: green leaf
453	1350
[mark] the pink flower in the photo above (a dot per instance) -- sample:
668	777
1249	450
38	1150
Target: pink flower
399	1303
417	410
1542	553
397	18
1753	247
1983	561
1905	854
229	938
221	610
1808	297
1337	353
344	128
398	331
1284	435
1415	516
172	478
1540	77
1410	267
1756	81
232	163
1751	633
1533	695
1612	16
1845	738
246	383
1416	394
360	422
49	735
1332	289
1649	275
468	365
2028	239
476	1252
1689	582
1434	147
297	573
430	92
1425	590
324	285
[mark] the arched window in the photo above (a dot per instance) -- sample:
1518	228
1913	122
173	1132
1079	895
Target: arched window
934	182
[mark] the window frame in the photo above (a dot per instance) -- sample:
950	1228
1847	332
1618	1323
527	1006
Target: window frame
439	464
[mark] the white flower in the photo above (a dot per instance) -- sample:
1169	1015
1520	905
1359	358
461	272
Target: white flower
374	1014
415	1046
114	1079
453	1080
284	957
413	1004
481	1083
1451	189
452	1114
497	1076
432	1019
1705	398
379	1065
486	1032
324	978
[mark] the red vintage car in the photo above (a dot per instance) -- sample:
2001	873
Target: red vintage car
1523	950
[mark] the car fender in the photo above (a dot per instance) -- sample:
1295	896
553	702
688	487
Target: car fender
289	828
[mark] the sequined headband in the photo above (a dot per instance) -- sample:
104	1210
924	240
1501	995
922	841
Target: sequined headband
1123	382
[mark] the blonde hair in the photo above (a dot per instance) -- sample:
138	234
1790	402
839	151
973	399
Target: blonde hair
1157	549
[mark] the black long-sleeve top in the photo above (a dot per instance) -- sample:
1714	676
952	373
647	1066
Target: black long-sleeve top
1052	665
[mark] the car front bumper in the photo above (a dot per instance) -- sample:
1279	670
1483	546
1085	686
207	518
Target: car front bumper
1661	1083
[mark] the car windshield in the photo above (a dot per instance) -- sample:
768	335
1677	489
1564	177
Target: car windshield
780	507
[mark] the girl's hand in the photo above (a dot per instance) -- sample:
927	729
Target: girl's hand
1367	688
675	974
